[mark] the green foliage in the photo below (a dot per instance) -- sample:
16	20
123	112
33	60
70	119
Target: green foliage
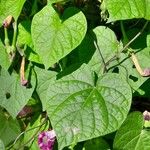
9	129
10	7
131	134
14	96
53	37
125	9
80	65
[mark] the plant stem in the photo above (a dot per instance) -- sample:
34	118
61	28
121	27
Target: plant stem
128	44
14	36
6	41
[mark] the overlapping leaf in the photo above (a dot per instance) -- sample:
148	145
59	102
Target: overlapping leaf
79	109
131	135
4	57
10	7
13	96
24	38
9	129
126	9
53	37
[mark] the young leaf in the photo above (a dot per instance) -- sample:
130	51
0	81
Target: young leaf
14	96
53	37
131	134
9	129
126	9
24	38
4	57
2	147
10	7
80	110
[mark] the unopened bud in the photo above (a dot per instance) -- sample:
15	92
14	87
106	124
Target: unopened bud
7	21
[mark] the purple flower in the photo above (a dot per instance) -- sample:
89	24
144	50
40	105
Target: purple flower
46	140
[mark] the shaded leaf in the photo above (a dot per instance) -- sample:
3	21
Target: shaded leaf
96	144
14	96
9	129
4	58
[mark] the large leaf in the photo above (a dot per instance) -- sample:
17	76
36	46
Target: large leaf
126	9
10	7
80	110
9	129
53	37
14	96
131	135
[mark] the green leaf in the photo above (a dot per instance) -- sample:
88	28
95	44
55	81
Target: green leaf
107	46
14	96
126	9
98	45
53	37
35	126
2	147
96	144
9	129
80	110
56	1
10	7
4	58
24	38
128	71
131	134
44	78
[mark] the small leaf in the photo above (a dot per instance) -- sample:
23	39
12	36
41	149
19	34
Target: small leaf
126	9
2	147
75	98
24	38
131	134
14	96
4	58
54	38
10	7
9	129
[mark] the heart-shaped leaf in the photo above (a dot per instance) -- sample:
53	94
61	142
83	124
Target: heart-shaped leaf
80	110
53	37
126	9
10	7
131	134
14	96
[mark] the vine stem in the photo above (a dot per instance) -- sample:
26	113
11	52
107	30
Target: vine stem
39	127
128	44
14	36
6	37
104	63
